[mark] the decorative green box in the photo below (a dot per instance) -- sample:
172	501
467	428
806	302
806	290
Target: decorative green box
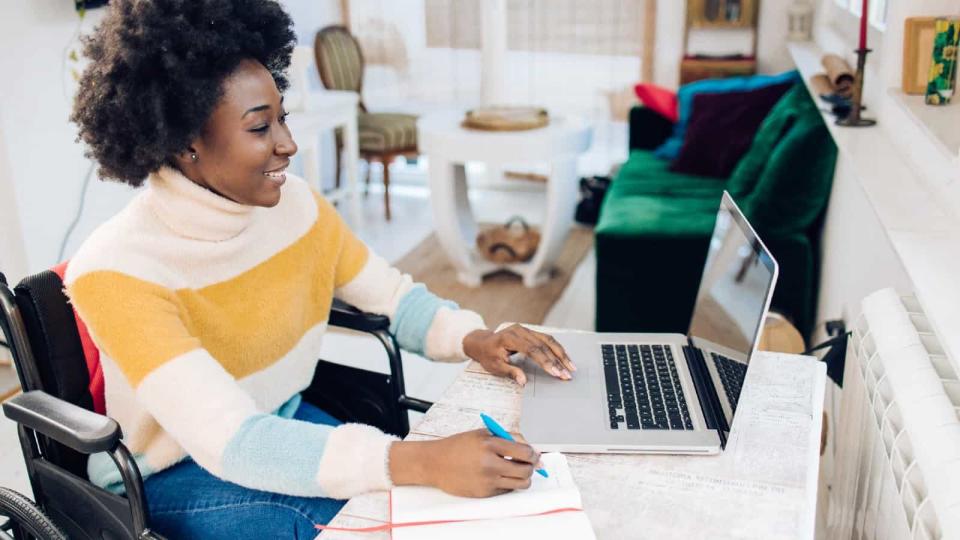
943	69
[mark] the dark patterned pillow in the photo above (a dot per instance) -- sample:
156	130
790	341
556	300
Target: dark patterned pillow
722	127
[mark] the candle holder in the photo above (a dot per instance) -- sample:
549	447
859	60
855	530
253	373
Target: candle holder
853	119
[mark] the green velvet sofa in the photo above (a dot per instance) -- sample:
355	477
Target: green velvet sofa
654	225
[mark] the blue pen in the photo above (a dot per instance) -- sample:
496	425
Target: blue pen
497	431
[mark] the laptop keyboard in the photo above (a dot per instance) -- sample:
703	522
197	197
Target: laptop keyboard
642	381
731	375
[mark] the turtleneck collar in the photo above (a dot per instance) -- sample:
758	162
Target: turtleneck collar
193	211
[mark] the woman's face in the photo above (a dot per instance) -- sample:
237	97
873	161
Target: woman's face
245	147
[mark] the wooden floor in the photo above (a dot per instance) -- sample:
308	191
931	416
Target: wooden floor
8	382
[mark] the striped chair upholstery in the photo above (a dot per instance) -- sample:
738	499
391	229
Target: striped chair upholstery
386	132
382	136
339	60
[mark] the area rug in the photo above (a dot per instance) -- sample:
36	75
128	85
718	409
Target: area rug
502	297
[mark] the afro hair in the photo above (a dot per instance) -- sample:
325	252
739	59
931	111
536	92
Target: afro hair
156	73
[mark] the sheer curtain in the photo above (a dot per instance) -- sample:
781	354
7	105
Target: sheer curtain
565	54
578	57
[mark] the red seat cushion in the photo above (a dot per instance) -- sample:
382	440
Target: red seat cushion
90	352
660	100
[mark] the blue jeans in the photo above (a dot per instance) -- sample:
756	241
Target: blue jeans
186	501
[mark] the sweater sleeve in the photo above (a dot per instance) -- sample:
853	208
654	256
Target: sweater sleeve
421	321
143	328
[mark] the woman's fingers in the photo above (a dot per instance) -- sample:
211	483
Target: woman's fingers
506	482
554	346
504	368
536	350
517	451
513	463
520	438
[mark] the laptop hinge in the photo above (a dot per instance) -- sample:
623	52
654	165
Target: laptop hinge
709	401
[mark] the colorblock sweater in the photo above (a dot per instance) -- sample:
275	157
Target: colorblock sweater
209	317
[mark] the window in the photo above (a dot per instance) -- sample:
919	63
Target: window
602	27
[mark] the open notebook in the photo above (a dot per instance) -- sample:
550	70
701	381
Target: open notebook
549	509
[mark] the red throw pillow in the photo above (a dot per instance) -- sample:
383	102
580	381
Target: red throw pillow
659	99
722	127
90	353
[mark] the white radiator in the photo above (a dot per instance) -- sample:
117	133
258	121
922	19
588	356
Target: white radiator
897	458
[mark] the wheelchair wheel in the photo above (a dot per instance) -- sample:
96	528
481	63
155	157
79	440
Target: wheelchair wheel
21	519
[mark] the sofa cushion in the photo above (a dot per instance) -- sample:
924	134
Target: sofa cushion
660	100
722	127
795	182
644	174
671	148
773	129
632	215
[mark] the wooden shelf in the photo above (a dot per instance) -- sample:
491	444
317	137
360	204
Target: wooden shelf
705	25
694	69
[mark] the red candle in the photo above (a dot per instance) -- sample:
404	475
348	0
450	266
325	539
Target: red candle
864	14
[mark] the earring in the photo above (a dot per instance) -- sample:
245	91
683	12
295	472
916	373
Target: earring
193	156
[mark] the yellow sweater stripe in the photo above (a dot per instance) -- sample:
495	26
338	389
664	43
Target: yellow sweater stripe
141	322
150	324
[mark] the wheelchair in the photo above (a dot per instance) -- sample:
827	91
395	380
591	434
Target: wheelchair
59	427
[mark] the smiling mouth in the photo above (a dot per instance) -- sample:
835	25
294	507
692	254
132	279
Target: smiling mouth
278	175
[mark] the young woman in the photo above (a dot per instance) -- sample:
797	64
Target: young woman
208	294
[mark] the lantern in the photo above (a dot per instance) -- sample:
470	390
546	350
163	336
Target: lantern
800	15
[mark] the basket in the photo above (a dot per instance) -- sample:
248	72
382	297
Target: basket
514	241
504	118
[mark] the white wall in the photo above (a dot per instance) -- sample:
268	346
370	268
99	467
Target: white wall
45	166
772	55
860	258
13	258
42	168
310	16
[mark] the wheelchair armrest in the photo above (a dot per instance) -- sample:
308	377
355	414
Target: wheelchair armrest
84	431
346	316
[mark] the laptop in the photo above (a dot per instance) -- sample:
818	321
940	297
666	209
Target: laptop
662	393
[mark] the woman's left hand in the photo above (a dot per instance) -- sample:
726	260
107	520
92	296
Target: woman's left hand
493	349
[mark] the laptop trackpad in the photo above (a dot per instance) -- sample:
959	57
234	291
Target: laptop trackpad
545	385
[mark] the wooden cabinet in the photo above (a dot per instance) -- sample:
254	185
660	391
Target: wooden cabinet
694	69
706	15
722	13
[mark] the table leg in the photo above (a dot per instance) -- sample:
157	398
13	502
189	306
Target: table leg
561	204
453	219
351	149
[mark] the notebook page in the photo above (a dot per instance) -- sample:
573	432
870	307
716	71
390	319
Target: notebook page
568	526
416	503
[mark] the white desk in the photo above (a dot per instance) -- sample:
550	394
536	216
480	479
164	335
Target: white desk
448	147
322	111
764	485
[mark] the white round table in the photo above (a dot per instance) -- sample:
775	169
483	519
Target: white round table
315	112
449	146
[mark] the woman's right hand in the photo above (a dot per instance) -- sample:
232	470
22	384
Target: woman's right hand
469	464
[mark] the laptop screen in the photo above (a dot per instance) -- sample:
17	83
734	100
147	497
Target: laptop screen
732	300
